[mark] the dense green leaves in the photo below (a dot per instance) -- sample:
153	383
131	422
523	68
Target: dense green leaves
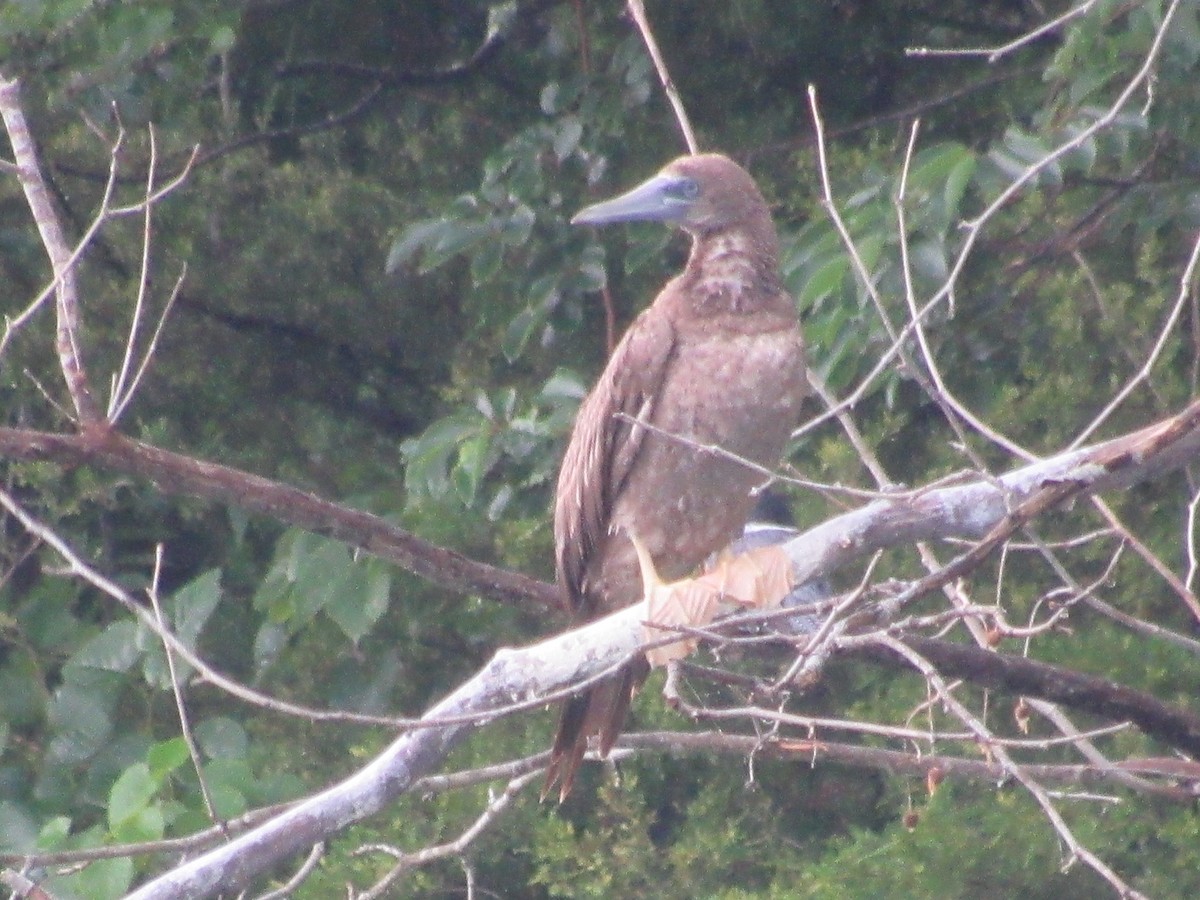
386	305
458	454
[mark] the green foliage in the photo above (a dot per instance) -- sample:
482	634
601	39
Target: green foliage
386	304
455	455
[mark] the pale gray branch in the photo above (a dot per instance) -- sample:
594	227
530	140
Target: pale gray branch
518	676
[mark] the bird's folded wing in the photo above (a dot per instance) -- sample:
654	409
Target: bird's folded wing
604	447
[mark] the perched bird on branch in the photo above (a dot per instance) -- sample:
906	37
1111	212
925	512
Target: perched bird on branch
715	368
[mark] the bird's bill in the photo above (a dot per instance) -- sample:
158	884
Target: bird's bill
656	200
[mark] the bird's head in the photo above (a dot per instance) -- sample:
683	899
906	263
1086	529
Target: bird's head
701	194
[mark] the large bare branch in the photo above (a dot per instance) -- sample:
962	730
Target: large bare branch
994	509
969	510
976	510
1086	693
45	216
174	473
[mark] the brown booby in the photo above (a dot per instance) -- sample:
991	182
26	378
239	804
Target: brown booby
716	360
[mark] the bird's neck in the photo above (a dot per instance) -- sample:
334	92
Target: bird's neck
732	271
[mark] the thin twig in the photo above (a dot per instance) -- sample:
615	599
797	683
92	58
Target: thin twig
124	402
996	749
994	54
185	727
1185	291
813	750
1182	591
256	698
637	8
408	861
139	303
288	887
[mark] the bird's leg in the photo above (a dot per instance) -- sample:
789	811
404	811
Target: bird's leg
760	578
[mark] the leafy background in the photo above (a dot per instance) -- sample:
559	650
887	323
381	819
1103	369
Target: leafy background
385	304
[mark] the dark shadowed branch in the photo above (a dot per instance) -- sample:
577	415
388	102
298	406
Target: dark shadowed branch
994	510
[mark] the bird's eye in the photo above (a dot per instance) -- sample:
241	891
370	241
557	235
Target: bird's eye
689	188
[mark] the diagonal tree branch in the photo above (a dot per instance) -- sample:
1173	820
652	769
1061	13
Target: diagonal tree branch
29	173
179	475
995	510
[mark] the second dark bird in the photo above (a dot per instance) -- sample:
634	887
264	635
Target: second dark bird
716	360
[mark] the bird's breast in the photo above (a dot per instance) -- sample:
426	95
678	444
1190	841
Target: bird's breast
725	395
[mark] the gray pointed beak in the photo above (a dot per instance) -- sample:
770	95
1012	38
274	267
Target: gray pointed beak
657	200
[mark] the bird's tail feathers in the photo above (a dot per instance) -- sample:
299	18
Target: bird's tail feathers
600	711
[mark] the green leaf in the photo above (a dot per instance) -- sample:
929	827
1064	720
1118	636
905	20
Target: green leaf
131	793
54	833
563	384
1021	149
222	39
115	649
320	569
186	612
956	183
227	799
18	828
79	717
412	241
221	738
166	756
824	281
428	455
269	642
361	600
454	238
499	502
928	259
870	250
646	250
471	465
193	604
229	782
516	229
146	825
486	262
99	880
566	137
520	329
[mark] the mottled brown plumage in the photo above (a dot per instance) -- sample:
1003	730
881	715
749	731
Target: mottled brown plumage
717	359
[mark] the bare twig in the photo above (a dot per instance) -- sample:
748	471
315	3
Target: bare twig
1149	557
23	887
637	8
983	734
114	590
973	229
994	54
405	862
123	402
1186	287
177	689
814	750
143	282
288	887
898	337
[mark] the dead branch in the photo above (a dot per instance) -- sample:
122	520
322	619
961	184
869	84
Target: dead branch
45	216
893	762
179	475
994	509
1086	693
